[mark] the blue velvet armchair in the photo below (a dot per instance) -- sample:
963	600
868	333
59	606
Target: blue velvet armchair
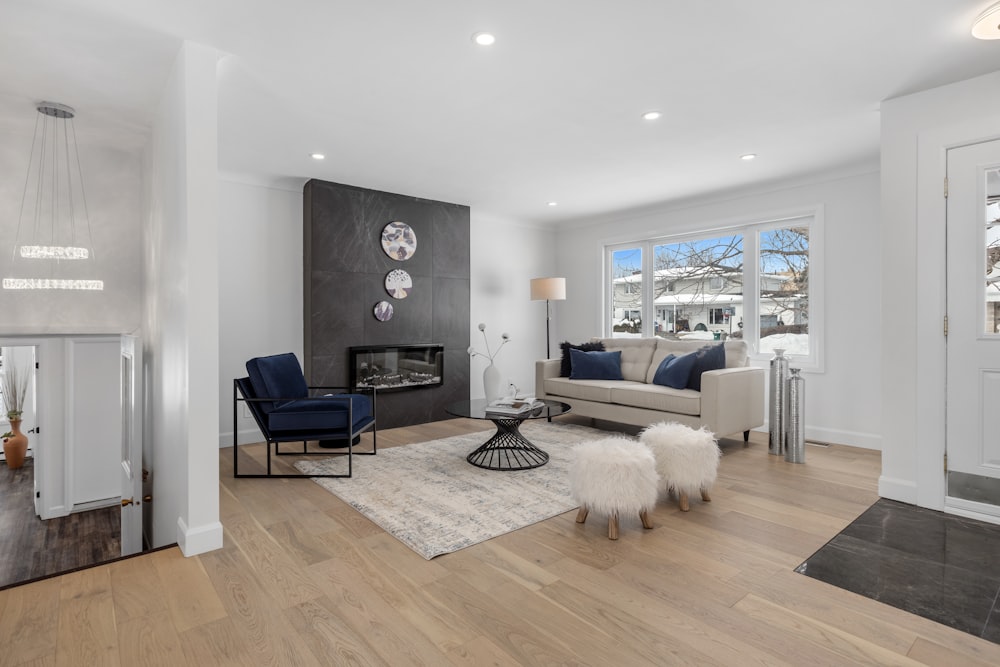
280	401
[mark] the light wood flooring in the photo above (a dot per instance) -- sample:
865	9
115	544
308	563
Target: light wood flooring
303	579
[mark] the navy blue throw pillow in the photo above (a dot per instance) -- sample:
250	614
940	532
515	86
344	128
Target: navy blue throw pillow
566	367
596	365
674	371
708	358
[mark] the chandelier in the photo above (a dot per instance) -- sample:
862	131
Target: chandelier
53	225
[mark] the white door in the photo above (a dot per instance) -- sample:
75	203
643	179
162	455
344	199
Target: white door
131	387
973	343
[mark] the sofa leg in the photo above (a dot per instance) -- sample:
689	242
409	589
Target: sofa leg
581	516
646	521
613	527
746	438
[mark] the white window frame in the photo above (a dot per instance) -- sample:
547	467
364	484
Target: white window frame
811	217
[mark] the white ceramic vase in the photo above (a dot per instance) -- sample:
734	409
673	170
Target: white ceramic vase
491	383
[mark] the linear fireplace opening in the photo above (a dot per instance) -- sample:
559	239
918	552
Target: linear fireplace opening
396	367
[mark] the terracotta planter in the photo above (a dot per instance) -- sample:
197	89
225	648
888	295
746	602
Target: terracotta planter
16	446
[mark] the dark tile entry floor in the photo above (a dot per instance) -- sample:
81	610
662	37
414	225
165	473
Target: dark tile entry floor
936	565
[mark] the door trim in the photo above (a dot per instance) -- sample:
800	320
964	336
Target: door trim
927	488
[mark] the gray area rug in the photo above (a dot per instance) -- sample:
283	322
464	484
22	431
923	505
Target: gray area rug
429	498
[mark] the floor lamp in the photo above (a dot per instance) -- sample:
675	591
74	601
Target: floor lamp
548	289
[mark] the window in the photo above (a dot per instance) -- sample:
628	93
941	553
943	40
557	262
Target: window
626	292
695	280
784	290
758	281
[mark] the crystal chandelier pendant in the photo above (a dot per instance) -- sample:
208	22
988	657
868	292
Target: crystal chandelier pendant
53	252
53	224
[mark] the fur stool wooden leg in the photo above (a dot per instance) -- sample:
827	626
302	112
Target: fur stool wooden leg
614	476
687	460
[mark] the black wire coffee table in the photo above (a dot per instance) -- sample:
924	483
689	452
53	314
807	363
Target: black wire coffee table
508	449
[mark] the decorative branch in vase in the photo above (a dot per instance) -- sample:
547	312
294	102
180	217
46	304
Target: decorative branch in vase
491	376
14	388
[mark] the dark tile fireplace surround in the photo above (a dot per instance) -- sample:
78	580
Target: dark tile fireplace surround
344	277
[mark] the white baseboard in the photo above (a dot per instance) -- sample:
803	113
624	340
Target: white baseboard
903	490
194	541
841	437
836	436
244	437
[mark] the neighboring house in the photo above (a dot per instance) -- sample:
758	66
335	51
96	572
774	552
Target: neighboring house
709	296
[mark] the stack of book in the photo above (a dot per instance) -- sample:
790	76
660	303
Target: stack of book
512	407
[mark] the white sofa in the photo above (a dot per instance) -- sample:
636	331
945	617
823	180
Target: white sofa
731	399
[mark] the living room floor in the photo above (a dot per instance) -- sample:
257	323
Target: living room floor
939	566
305	579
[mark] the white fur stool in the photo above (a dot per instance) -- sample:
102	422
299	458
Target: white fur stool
686	460
613	476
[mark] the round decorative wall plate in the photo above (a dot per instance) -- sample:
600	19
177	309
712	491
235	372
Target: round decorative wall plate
383	311
399	241
398	284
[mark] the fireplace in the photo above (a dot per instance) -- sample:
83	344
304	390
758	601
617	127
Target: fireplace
396	367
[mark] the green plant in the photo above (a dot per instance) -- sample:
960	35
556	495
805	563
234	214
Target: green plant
8	434
14	389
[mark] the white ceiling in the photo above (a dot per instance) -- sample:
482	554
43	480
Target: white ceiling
399	98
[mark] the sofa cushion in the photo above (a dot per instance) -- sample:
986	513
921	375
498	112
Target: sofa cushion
598	391
674	371
708	358
656	397
321	413
566	367
596	365
736	352
637	353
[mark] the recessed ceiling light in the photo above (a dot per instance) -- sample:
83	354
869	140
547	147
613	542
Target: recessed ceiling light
748	156
553	203
651	115
987	25
317	156
484	39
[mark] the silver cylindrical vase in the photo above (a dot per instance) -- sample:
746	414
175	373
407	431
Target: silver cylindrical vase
776	404
795	439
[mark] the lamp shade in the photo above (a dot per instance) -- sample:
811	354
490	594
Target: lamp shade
551	289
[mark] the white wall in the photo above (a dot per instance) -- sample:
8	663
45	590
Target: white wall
916	131
843	402
505	256
181	279
260	286
112	178
260	289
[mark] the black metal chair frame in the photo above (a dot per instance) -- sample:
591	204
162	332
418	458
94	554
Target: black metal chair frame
240	396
